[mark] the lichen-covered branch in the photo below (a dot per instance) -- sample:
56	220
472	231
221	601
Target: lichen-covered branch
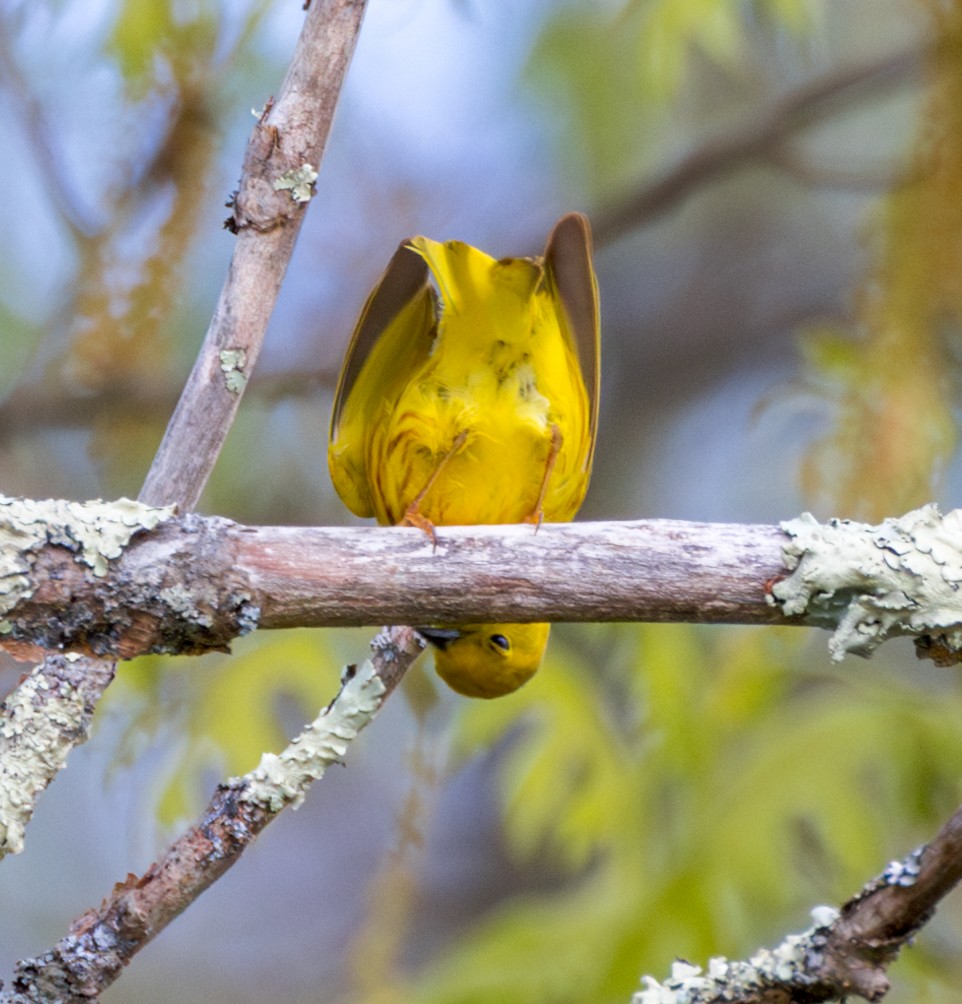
186	584
48	713
846	953
93	532
102	941
43	719
172	590
871	583
284	150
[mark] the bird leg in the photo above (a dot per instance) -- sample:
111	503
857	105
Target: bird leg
536	515
413	515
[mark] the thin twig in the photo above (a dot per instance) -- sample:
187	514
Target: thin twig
758	140
288	138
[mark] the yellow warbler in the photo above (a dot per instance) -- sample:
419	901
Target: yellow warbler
473	403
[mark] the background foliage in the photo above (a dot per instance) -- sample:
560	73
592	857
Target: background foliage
780	334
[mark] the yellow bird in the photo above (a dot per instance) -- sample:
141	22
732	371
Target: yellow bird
475	402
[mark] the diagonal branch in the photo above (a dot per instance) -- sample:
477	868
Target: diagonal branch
286	147
284	151
104	940
845	954
761	139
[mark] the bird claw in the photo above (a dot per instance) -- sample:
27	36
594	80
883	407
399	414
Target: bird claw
414	518
535	519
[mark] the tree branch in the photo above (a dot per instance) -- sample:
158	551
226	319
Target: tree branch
102	941
759	140
284	151
846	953
194	583
31	406
125	579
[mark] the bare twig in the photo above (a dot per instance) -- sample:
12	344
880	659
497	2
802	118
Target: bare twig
862	178
101	942
32	406
284	152
757	141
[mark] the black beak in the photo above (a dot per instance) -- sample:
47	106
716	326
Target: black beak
439	637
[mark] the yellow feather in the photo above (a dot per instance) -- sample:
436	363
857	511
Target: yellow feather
475	402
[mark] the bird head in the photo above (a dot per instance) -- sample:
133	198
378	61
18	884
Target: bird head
487	660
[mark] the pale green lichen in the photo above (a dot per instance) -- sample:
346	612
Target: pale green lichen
196	606
41	719
180	600
299	181
792	964
281	780
871	583
232	363
37	731
95	531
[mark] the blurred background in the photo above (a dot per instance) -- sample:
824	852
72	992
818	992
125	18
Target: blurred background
776	190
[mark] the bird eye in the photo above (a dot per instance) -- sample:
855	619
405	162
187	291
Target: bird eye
500	641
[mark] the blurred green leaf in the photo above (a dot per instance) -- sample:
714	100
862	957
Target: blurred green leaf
152	40
608	75
142	28
19	341
584	72
230	708
736	792
668	33
796	15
